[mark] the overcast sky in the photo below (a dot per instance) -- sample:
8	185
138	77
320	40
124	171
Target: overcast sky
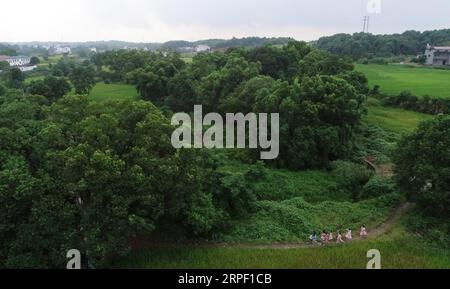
163	20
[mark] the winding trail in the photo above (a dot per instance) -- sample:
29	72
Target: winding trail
385	170
378	231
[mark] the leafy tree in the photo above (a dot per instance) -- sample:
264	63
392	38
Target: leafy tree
93	176
181	90
219	84
358	80
4	65
63	67
83	79
13	77
423	166
320	115
153	80
35	60
51	87
2	90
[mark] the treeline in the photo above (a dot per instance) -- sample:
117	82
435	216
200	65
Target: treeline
364	45
319	95
424	104
57	80
8	50
249	42
83	48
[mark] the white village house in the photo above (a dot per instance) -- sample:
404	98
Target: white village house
437	55
22	62
16	60
59	50
202	48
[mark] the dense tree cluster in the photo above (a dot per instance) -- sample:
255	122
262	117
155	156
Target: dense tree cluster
51	87
318	95
361	45
92	176
12	77
8	50
423	167
248	42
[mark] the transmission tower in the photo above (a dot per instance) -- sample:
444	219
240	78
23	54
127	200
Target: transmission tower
366	24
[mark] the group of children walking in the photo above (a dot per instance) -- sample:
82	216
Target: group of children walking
327	237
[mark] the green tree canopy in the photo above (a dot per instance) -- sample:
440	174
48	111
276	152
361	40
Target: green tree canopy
51	87
83	78
423	166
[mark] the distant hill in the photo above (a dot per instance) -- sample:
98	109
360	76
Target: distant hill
234	42
361	45
7	50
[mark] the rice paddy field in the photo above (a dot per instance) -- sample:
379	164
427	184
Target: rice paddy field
421	81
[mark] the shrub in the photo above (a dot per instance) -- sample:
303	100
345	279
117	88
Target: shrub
351	177
432	229
376	187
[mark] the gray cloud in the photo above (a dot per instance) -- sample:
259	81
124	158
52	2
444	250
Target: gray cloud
158	20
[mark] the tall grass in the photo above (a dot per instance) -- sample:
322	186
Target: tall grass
398	251
397	120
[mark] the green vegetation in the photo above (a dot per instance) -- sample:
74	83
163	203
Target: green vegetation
51	87
398	250
420	81
49	61
394	119
28	80
114	91
78	165
298	203
426	156
370	46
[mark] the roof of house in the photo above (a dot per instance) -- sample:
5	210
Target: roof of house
19	57
6	57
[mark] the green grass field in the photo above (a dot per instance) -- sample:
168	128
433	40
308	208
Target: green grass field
397	250
28	80
105	92
394	119
421	81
